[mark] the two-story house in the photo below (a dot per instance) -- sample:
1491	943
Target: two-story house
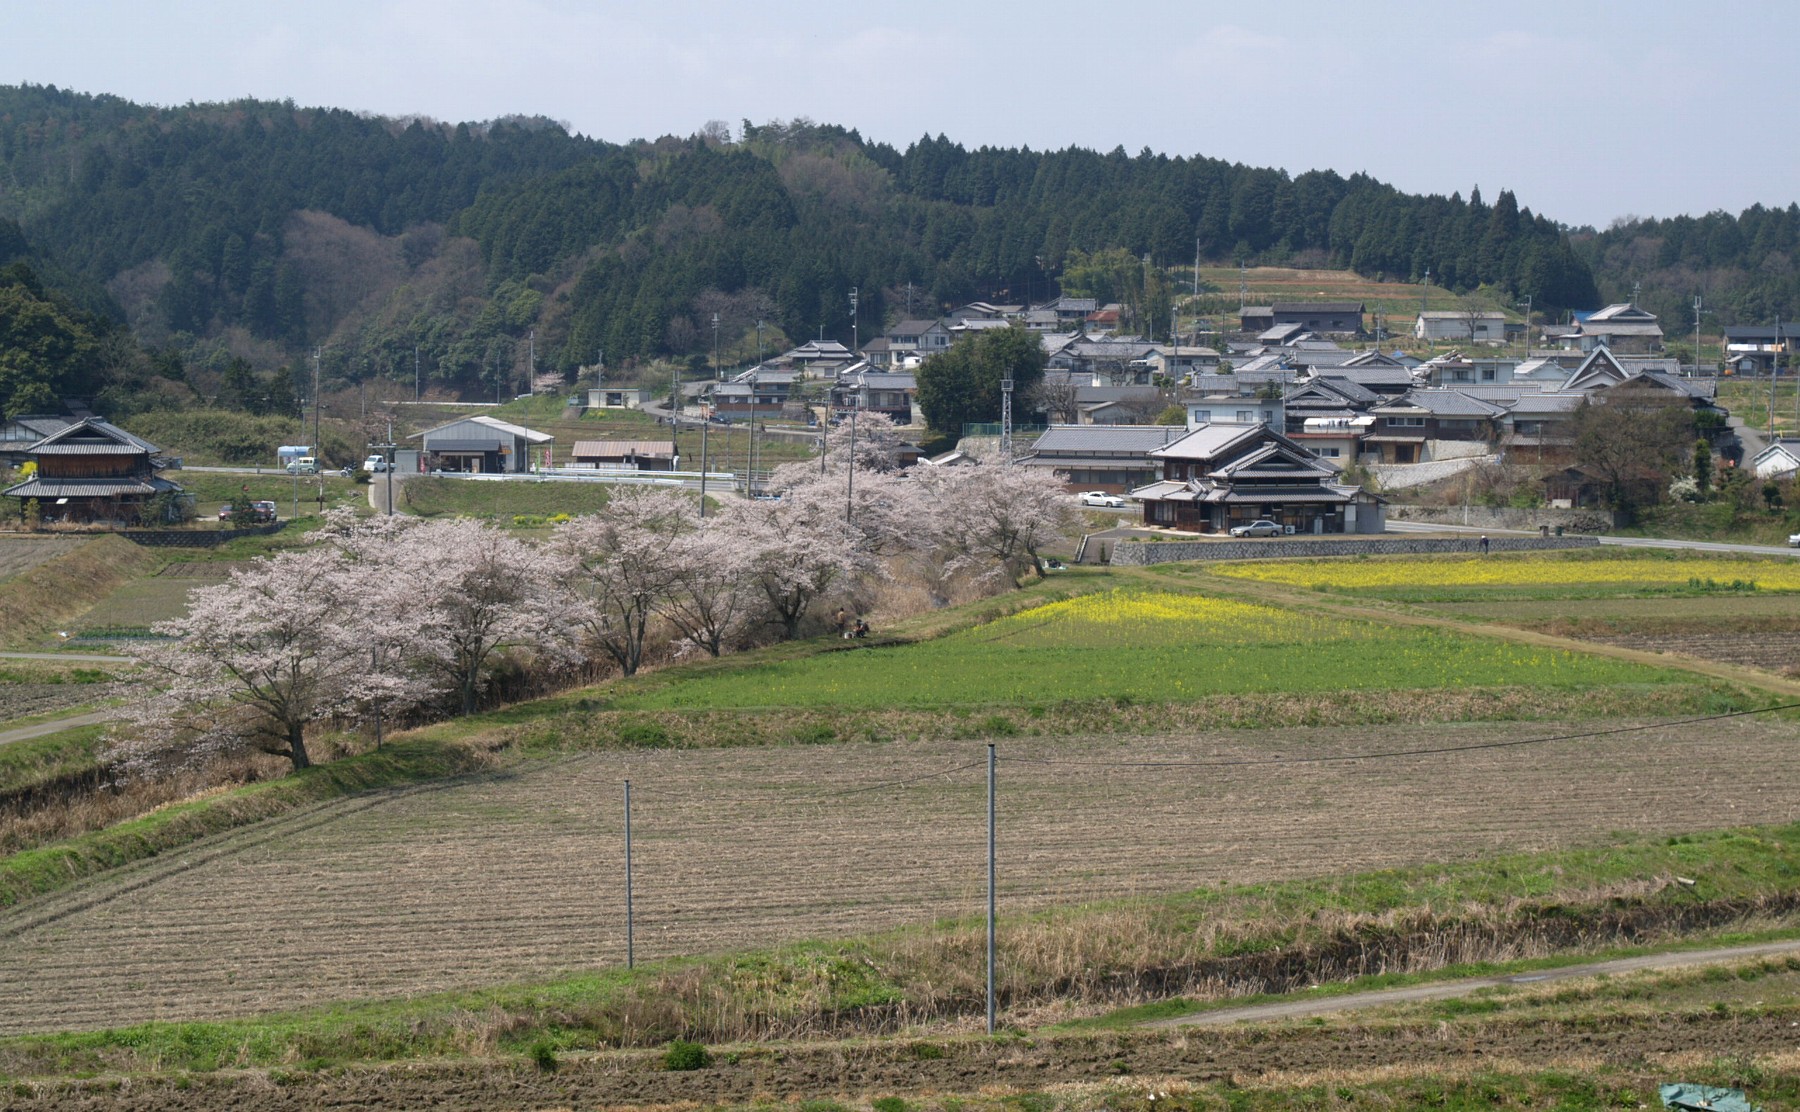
1218	476
93	471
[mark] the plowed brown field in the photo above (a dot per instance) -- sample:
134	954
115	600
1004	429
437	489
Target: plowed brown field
519	875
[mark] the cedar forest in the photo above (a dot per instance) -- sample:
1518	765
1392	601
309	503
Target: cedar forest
163	257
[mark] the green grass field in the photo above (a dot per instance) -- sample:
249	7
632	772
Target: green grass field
427	496
1142	647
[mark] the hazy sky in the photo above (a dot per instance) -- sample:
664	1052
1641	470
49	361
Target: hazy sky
1586	110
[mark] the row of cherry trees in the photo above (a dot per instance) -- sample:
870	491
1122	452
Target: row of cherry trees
397	616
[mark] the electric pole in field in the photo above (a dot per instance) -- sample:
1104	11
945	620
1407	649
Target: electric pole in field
855	343
991	877
630	947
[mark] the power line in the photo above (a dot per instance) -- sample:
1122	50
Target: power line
817	797
1396	753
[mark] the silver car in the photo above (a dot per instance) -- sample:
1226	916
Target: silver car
1261	528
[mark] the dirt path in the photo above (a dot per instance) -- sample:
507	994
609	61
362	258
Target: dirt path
24	733
1450	990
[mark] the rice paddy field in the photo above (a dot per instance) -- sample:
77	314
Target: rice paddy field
1143	646
1574	574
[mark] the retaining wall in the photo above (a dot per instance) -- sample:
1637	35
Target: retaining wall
1505	517
196	538
1139	553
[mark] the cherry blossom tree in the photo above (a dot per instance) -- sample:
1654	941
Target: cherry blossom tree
620	563
1002	516
256	660
713	595
484	591
798	548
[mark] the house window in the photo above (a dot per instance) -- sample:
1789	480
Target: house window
1406	422
1327	453
1202	416
1243	416
1489	374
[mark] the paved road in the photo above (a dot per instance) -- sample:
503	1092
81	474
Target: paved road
82	657
1448	990
1622	542
22	733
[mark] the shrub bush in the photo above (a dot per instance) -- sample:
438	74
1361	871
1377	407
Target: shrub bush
682	1055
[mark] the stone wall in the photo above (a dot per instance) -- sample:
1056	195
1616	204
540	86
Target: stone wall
1139	553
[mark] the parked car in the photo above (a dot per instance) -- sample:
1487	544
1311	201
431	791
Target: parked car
1100	498
1794	540
304	465
259	513
375	464
1260	528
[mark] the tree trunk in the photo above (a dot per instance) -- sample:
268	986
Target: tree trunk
297	745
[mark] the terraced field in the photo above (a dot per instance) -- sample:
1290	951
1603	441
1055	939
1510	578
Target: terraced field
519	875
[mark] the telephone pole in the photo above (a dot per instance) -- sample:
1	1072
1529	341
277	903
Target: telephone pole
1006	437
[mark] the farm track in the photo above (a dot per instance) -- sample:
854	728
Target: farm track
516	876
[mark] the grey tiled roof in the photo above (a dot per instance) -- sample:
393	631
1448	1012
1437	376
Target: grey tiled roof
1115	439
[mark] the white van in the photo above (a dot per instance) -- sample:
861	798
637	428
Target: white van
304	465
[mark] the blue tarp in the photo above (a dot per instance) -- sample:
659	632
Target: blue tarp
1705	1098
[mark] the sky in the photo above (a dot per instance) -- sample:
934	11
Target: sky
1588	111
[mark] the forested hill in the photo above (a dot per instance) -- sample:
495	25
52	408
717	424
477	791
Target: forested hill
1745	267
262	230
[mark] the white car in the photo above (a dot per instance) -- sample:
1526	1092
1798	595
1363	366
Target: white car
375	464
1100	498
1794	540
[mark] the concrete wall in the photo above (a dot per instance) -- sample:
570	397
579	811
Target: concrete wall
1505	517
1137	554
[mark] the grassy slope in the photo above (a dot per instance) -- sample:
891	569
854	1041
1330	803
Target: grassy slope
64	588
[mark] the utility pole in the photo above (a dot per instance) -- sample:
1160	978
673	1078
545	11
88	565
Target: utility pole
1697	335
674	407
990	888
1243	287
850	468
531	361
318	402
1006	437
855	343
718	371
630	948
1774	374
1528	324
705	427
1425	294
415	378
759	347
1196	268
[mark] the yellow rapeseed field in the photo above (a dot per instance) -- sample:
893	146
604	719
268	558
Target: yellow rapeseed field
1526	570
